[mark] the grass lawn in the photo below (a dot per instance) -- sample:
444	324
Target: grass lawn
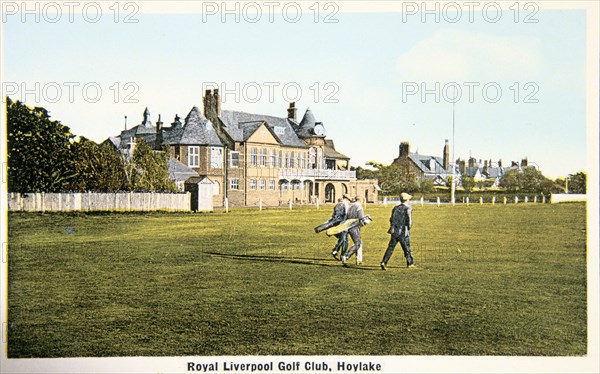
490	280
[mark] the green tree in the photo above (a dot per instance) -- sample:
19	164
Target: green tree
578	182
99	167
150	170
510	181
529	180
39	151
426	186
397	178
468	183
362	173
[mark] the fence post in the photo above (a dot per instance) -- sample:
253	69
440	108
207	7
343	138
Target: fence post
259	204
467	200
317	200
290	203
43	202
504	200
438	201
493	200
526	199
516	199
480	200
421	200
543	199
535	199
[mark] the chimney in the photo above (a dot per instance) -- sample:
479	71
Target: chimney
500	163
524	162
446	155
207	102
292	111
485	164
472	162
217	102
404	149
462	167
159	134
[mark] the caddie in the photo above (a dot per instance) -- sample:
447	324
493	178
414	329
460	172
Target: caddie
400	225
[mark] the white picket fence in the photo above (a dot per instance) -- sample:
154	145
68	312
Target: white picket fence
96	201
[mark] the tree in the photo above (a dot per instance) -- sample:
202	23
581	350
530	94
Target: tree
397	178
529	180
426	186
362	173
150	170
99	167
39	151
577	182
468	183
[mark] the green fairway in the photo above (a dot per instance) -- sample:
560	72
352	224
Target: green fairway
490	280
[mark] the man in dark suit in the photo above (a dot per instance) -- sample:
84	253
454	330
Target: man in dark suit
400	224
340	214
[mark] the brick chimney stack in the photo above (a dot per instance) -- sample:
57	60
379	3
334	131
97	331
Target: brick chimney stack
446	155
159	134
212	104
292	111
217	101
404	149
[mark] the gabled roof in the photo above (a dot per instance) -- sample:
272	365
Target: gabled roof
330	152
180	172
196	130
235	122
429	164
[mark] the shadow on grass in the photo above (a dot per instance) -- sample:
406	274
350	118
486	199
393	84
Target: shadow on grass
293	260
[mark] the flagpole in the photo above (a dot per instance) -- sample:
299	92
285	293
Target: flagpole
453	187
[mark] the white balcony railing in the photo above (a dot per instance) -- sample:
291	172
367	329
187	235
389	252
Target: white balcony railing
330	174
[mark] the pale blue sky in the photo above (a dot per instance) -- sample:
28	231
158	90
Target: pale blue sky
368	56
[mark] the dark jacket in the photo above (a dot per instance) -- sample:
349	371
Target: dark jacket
340	212
400	220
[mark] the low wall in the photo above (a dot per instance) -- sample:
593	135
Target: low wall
96	201
563	198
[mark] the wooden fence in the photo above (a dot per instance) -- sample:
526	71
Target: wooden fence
95	201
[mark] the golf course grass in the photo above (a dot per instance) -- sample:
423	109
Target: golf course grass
491	280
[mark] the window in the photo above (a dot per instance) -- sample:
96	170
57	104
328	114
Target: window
279	130
263	157
263	184
279	163
303	160
194	156
235	159
286	160
234	184
272	184
292	159
252	184
253	156
273	158
216	157
298	165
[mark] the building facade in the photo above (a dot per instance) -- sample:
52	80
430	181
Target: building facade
252	159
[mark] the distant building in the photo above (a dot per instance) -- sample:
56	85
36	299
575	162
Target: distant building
438	169
251	158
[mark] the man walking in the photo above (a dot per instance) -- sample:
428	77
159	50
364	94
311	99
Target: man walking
400	224
340	212
355	211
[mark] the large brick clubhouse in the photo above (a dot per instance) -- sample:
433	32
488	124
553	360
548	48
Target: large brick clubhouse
251	159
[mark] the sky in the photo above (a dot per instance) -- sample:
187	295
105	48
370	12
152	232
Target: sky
374	77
